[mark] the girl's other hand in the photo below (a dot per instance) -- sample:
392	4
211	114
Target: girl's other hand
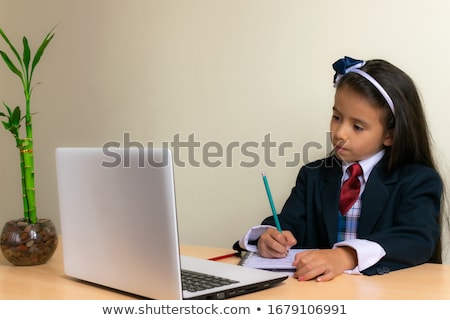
324	264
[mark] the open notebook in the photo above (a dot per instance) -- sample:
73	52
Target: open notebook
119	227
255	260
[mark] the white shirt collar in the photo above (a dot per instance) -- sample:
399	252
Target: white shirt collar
366	165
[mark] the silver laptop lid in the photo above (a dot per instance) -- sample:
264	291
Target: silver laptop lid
118	221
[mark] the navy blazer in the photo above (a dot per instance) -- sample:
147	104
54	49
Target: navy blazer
399	211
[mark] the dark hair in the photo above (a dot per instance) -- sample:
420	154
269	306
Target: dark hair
411	142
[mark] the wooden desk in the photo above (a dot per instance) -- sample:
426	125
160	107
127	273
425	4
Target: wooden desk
429	281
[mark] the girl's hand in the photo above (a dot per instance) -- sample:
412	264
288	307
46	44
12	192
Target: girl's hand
275	244
325	264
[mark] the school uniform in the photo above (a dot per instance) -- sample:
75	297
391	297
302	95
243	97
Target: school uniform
399	212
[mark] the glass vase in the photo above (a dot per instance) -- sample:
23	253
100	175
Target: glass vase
28	244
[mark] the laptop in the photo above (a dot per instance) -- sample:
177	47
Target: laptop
119	227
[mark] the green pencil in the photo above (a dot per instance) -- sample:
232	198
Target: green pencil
272	205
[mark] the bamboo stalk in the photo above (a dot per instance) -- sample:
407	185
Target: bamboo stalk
24	70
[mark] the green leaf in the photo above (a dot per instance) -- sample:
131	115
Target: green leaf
26	53
6	125
41	49
8	108
10	44
10	64
15	119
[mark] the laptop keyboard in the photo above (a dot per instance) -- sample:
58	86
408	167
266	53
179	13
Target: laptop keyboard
195	281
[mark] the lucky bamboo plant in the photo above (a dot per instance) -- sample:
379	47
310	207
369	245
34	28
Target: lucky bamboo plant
24	69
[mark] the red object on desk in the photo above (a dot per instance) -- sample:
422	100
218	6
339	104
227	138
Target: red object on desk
234	254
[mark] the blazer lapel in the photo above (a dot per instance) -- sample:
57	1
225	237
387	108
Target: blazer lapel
330	196
374	198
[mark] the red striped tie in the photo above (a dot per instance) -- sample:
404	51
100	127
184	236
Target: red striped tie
350	189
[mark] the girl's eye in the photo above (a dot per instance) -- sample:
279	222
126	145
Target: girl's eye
335	117
358	127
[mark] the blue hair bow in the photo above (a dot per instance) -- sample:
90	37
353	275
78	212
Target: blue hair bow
344	65
347	64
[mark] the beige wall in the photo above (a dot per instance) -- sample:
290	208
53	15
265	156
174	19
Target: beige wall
225	71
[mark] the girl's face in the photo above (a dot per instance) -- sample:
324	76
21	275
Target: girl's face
356	127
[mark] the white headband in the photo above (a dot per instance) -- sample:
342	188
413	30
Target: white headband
355	68
377	85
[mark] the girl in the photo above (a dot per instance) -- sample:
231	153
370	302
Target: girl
377	122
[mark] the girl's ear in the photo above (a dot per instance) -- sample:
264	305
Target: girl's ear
387	142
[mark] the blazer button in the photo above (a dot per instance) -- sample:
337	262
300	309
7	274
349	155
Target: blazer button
383	270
